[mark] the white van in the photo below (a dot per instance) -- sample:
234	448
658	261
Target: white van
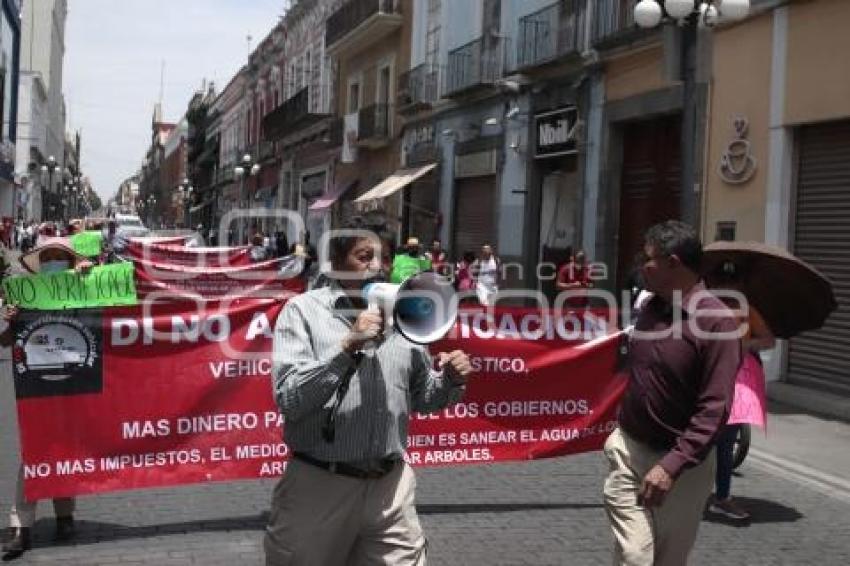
130	225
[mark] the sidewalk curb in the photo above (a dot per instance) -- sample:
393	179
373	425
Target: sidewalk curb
822	482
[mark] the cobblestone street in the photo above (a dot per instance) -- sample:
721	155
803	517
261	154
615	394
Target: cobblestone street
536	513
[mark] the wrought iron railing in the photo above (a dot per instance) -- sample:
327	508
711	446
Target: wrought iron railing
353	13
374	122
479	62
612	18
553	32
418	86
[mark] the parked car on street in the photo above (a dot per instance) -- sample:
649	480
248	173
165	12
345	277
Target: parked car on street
130	225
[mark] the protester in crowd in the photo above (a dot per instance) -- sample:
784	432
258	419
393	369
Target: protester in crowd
258	252
661	455
748	397
348	496
54	255
574	277
114	243
409	263
281	243
486	273
438	258
464	280
388	251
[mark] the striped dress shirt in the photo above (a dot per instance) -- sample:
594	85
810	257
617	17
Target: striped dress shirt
308	364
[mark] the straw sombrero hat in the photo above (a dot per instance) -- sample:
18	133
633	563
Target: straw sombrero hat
32	262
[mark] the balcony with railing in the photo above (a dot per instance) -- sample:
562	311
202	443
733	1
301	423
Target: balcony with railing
291	116
479	63
360	23
373	126
418	88
614	20
552	33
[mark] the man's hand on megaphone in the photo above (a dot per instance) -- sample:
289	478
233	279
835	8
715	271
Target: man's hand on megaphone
455	365
369	326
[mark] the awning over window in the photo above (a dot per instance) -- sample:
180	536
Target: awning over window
394	182
326	201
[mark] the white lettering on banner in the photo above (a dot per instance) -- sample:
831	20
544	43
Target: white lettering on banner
145	429
510	366
184	332
234	368
275	468
125	331
273	419
254	451
72	467
488	437
421	440
41	470
456	411
259	327
214	328
571	326
223	422
541	408
458	456
150	460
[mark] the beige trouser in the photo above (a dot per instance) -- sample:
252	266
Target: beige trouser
22	513
322	519
662	536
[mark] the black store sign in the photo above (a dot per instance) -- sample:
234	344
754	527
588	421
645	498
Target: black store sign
556	132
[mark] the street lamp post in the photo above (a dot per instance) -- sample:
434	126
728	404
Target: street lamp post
690	15
150	203
50	168
186	189
245	168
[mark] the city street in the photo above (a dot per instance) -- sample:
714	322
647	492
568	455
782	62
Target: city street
536	513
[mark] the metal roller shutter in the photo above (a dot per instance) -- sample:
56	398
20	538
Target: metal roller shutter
423	208
474	220
822	237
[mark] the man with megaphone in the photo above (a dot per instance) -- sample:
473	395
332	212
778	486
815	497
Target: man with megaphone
349	366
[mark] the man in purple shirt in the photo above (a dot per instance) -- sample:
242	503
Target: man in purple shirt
683	356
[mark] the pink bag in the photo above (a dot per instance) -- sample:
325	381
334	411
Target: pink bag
750	403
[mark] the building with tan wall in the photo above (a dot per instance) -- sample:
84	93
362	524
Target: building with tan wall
370	45
781	71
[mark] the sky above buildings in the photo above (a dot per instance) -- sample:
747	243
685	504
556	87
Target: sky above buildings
113	60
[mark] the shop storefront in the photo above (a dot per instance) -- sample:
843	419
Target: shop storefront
556	163
476	191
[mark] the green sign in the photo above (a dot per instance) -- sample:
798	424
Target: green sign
103	286
88	243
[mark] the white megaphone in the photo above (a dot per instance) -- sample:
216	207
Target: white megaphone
423	308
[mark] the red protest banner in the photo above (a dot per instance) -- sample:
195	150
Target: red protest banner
179	254
274	278
179	393
159	240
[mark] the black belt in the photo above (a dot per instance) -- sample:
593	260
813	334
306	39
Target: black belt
385	466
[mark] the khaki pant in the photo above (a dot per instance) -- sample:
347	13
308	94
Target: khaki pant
22	513
322	519
662	536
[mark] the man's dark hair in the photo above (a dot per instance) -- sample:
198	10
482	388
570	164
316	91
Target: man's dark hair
676	238
341	245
